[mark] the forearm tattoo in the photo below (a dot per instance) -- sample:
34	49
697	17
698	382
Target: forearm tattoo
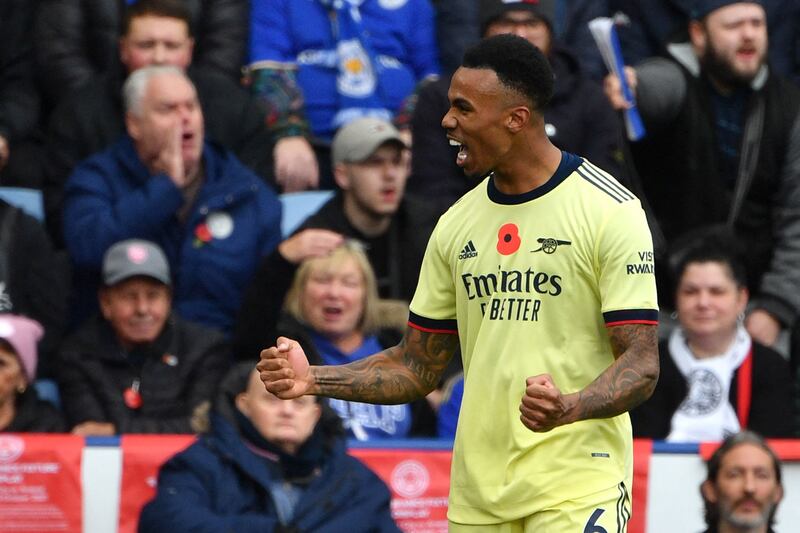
398	374
630	380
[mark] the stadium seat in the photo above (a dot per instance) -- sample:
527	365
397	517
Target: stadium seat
298	206
47	389
29	200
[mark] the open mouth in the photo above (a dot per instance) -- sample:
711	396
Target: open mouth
461	158
746	52
331	313
388	194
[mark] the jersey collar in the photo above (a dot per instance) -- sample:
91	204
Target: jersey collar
569	163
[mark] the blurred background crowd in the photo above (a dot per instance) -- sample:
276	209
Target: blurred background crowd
164	136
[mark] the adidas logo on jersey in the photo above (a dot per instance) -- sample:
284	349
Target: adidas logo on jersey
468	251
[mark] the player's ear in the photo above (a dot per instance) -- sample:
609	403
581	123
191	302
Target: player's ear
518	118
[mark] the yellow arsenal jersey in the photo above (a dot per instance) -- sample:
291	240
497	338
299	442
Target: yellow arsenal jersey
530	283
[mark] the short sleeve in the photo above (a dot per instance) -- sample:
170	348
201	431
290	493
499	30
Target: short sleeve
627	268
433	308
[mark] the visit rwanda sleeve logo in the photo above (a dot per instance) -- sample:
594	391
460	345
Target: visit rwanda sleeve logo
642	265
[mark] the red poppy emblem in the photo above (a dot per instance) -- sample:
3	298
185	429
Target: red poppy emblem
202	232
132	398
202	235
508	240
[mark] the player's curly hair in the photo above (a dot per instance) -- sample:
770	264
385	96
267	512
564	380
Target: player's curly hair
519	65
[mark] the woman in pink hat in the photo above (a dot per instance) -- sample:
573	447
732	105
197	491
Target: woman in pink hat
21	410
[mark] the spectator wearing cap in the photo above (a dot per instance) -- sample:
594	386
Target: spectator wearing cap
138	367
21	410
651	25
723	147
578	119
458	28
214	218
371	206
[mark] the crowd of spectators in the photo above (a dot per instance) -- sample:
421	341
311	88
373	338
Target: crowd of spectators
162	133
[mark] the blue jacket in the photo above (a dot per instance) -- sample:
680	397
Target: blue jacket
400	33
218	485
112	196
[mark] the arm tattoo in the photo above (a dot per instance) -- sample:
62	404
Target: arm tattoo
398	374
630	380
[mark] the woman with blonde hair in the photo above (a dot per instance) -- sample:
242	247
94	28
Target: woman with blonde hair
332	309
328	300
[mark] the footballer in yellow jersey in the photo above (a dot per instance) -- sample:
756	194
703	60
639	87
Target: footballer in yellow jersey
544	276
530	282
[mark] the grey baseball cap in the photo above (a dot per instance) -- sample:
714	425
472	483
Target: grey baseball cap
135	257
357	140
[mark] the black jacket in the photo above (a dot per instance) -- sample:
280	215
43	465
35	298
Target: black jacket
91	118
34	279
34	415
177	373
19	97
654	23
76	40
684	182
770	405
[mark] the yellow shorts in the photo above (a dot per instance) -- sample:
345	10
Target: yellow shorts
607	511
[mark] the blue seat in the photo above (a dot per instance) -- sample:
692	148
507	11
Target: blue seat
47	389
298	206
29	200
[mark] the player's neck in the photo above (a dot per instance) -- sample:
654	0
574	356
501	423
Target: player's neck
527	167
